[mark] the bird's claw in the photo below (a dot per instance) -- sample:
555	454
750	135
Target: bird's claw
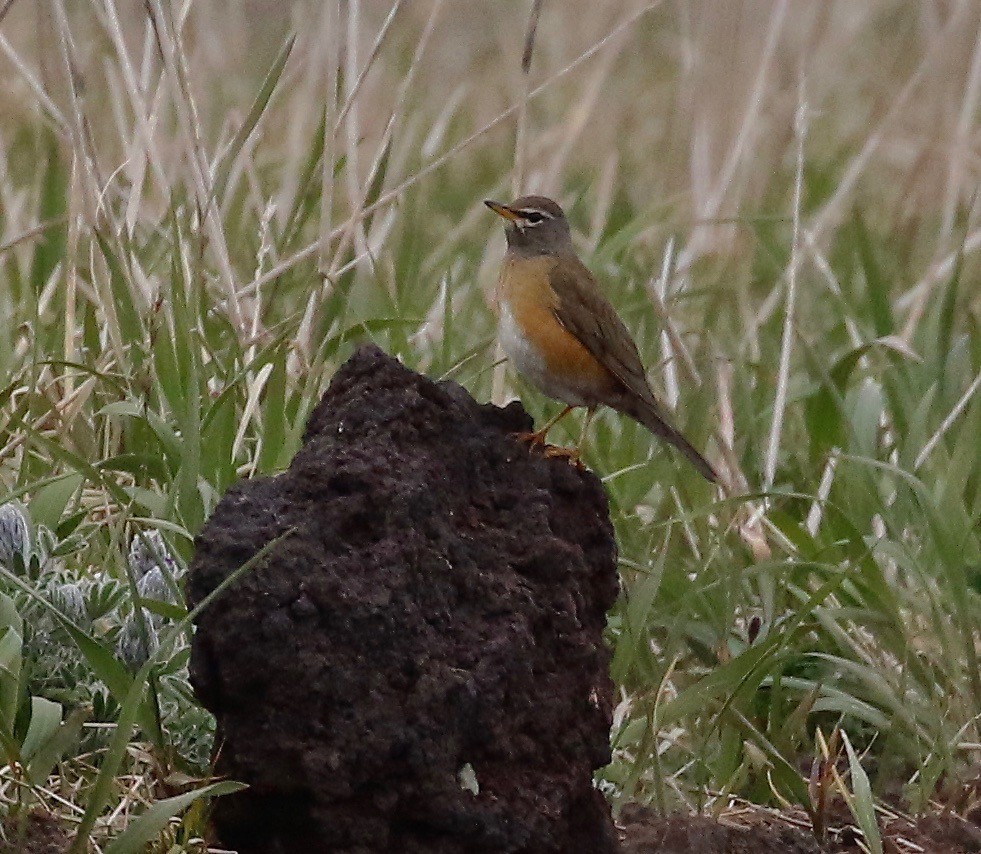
536	440
533	439
554	452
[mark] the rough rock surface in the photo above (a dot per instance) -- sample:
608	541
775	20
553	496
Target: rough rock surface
418	666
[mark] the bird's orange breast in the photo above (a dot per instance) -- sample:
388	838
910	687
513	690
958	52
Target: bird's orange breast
524	291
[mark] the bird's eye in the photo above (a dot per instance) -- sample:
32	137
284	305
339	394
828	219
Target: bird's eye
534	217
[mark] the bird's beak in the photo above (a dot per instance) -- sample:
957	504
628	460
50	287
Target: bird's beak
503	210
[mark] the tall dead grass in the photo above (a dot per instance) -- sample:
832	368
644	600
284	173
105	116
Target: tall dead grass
690	108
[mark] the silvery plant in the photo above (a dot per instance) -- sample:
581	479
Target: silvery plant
147	552
154	569
136	641
14	535
143	632
69	598
30	550
99	602
156	573
33	554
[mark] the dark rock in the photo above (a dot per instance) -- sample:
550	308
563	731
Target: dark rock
437	608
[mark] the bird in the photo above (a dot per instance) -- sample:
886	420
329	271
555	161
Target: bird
560	332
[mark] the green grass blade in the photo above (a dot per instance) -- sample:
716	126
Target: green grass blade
147	827
98	795
252	118
11	658
45	720
861	802
50	752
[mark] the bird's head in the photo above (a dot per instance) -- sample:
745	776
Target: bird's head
535	226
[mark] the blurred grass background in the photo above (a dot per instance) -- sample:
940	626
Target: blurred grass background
205	206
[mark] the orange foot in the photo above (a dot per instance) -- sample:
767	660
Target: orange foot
554	452
534	440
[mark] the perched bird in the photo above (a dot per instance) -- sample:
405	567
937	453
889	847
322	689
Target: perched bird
560	331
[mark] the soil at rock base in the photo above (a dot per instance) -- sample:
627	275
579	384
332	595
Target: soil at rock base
39	833
751	830
755	830
417	665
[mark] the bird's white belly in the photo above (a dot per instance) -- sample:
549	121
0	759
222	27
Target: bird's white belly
529	362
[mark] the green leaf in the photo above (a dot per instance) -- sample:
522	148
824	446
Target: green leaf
163	431
167	371
723	681
49	502
130	324
50	250
936	330
66	527
861	803
112	761
252	119
825	408
147	827
306	202
99	657
868	403
876	280
784	773
273	415
50	752
633	643
45	720
141	466
11	659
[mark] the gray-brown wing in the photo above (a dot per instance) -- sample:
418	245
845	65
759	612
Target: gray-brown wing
587	313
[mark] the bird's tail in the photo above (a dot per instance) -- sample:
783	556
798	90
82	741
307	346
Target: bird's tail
649	414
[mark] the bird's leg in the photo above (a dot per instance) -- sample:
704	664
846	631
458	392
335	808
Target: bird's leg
590	412
538	436
573	455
